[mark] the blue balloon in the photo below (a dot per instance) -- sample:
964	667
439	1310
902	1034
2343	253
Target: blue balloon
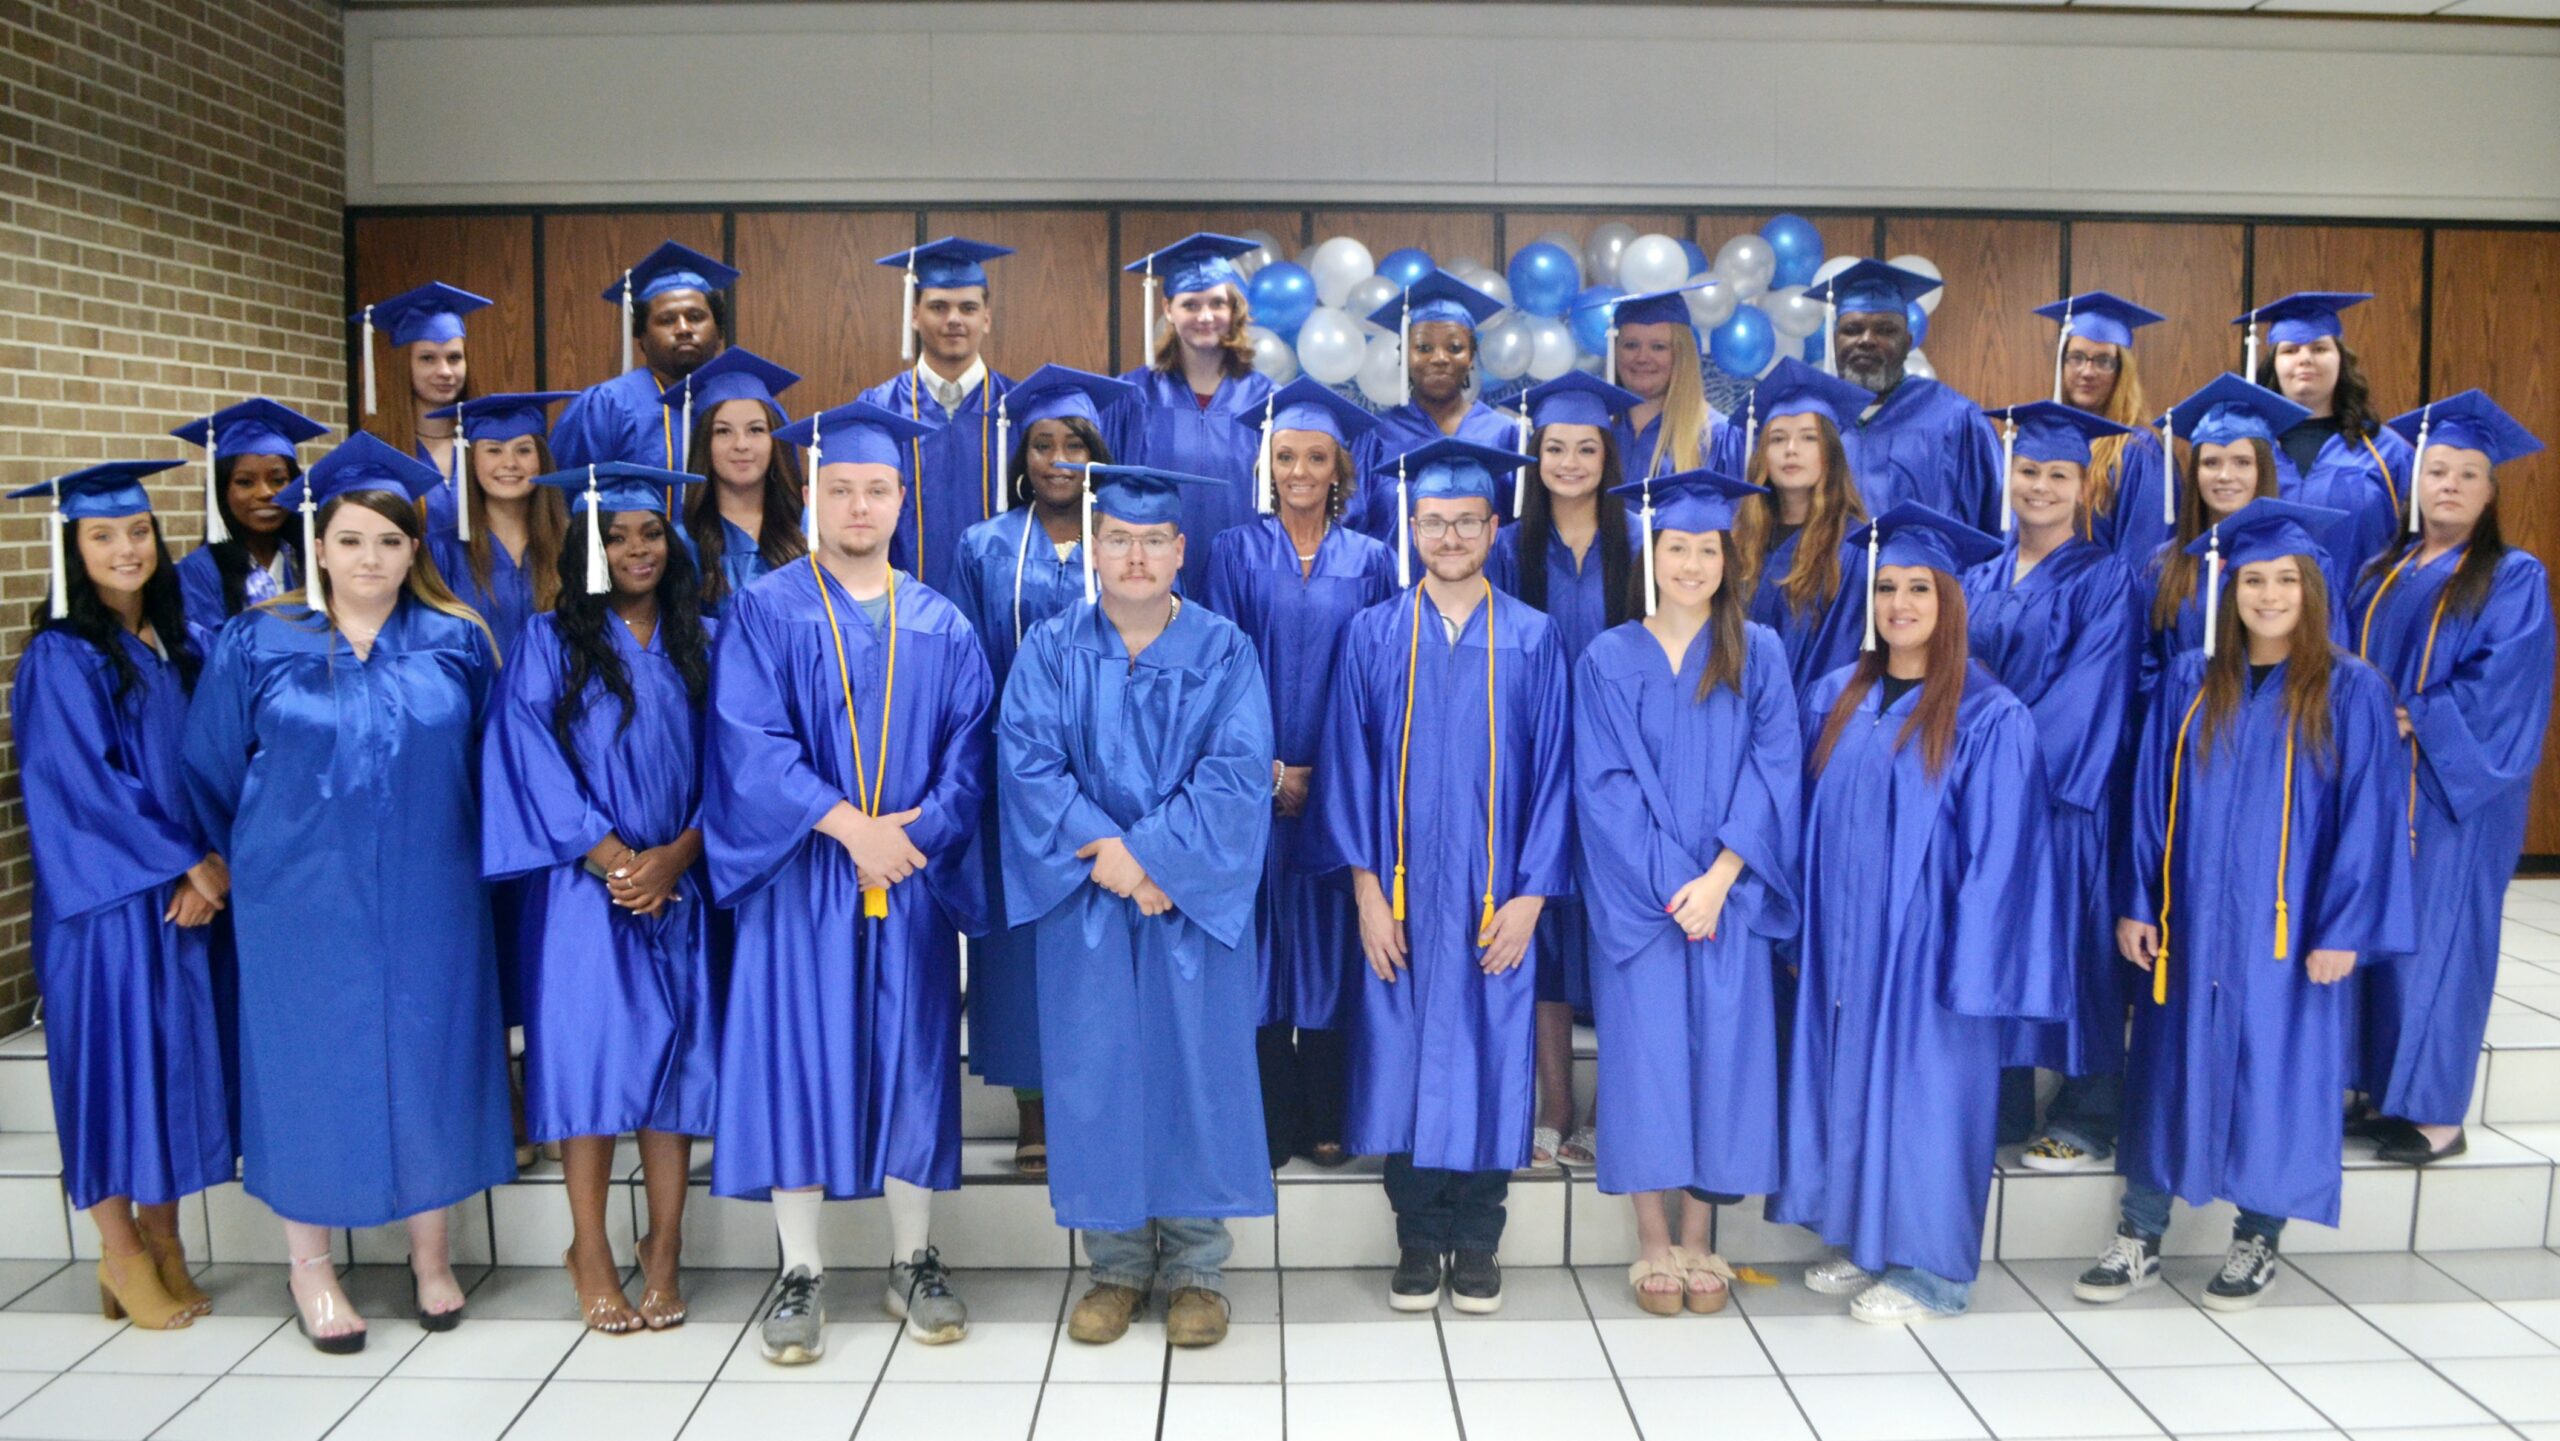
1591	318
1699	264
1542	278
1407	266
1918	320
1813	348
1743	345
1282	295
1798	247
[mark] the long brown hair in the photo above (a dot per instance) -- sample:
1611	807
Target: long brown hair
1813	581
2351	403
546	527
1933	720
2306	677
2106	455
1237	345
778	536
2177	568
424	582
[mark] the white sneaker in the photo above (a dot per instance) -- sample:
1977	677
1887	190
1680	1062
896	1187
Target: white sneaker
1838	1276
1884	1305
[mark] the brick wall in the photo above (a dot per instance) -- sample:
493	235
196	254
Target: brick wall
170	186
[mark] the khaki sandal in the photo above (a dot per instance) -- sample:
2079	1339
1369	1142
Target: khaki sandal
1658	1303
1700	1265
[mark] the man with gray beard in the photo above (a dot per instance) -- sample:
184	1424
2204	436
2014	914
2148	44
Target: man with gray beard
1920	441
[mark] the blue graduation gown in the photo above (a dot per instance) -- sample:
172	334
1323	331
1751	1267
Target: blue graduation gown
1308	930
1636	448
1005	562
2133	526
1371	509
1818	641
2065	640
840	1048
200	589
1928	922
507	601
1928	443
621	1031
1442	1058
1146	1023
617	419
1665	783
2231	1090
1166	427
345	795
131	1040
2367	480
2479	718
742	562
957	488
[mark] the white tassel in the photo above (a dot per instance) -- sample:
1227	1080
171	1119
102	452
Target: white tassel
215	532
1404	345
1830	340
1404	530
1609	348
1519	482
314	592
1750	430
2417	463
2249	371
1091	593
461	474
599	576
371	402
2061	344
1021	554
2212	587
1148	287
1266	487
1651	594
1004	455
2008	461
683	458
2169	469
1872	548
907	312
61	542
626	319
809	490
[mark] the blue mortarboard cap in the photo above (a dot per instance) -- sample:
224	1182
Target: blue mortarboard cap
2096	315
1059	392
672	267
99	492
2047	431
1141	494
1914	534
1452	469
1578	398
2266	528
619	486
2304	316
504	417
433	311
1437	296
1656	307
1308	404
1872	285
946	264
1697	500
253	427
2469	421
857	434
2230	409
1795	388
362	461
1194	263
733	374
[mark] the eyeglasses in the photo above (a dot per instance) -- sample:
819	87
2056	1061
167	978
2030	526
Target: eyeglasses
1465	527
2096	364
1121	543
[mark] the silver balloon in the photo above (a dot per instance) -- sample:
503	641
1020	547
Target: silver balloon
1339	264
1748	262
1653	262
1504	346
1382	371
1367	296
1551	347
1923	265
1600	255
1330	346
1273	360
1711	305
1493	285
1266	250
1917	365
1463	266
1792	315
1587	364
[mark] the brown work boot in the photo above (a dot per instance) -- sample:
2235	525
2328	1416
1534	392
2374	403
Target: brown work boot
1104	1314
1198	1317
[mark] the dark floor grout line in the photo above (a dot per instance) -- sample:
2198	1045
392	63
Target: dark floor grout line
2103	1368
14	1297
1448	1374
1784	1381
1057	1332
1280	1305
1574	1274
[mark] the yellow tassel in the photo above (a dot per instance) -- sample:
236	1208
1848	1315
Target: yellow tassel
1753	1276
1484	926
2284	930
875	903
1396	902
2160	973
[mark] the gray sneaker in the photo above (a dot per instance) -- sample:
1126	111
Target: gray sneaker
920	1294
794	1332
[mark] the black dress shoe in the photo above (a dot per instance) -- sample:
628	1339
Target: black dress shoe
2411	1149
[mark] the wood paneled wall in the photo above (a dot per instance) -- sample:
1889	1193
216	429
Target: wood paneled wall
2454	307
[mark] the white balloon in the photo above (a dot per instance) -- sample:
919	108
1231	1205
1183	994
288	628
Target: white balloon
1600	257
1367	296
1493	285
1262	238
1382	371
1653	262
1917	365
1832	267
1330	346
1711	305
1338	265
1922	265
1792	315
1503	347
1551	347
1748	262
1273	360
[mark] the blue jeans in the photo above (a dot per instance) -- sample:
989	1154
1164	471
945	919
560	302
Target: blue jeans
1170	1251
2146	1210
1947	1298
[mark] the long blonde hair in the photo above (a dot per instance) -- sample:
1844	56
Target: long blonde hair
2106	455
1683	436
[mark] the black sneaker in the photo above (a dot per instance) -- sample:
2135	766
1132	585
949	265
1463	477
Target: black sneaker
1416	1284
2130	1263
1475	1283
2248	1269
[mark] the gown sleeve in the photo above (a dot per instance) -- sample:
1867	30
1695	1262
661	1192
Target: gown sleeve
2002	955
537	811
1976	468
2080	722
1626	885
1203	845
762	798
2480	731
946	828
2146	821
221	735
1545	863
2362	898
581	437
1044	816
1765	820
98	833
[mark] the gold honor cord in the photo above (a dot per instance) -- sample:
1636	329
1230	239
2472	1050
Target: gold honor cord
667	428
2426	661
1493	754
875	899
2168	854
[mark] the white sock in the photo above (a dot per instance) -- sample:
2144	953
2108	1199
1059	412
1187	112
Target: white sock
795	1221
910	1218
